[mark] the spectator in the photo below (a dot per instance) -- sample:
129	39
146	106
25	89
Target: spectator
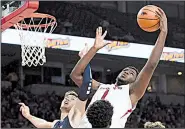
68	25
13	78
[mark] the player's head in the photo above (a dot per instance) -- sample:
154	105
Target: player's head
69	100
156	124
99	114
127	75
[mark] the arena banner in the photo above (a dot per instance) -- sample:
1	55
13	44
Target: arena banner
118	48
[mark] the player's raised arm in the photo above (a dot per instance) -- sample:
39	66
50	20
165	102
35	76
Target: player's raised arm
143	79
37	122
76	74
78	110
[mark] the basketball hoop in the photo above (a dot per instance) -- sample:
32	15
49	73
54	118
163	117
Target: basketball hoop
33	43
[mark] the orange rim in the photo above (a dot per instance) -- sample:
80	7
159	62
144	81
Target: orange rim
38	15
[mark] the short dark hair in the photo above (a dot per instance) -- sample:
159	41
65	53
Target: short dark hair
134	68
99	114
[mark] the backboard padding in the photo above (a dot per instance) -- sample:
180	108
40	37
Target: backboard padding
27	9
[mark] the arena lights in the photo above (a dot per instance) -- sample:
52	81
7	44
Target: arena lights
108	70
179	73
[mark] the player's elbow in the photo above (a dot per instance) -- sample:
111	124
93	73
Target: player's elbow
72	75
77	79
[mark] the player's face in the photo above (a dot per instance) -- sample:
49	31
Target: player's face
68	102
127	75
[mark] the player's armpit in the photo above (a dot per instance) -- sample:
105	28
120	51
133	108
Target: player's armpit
95	84
79	79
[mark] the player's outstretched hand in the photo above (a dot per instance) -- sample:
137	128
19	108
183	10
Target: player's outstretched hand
24	110
163	20
83	51
99	40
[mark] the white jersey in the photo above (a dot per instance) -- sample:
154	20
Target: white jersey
119	98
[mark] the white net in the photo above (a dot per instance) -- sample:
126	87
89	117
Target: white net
33	43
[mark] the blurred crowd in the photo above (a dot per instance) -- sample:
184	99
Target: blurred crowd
172	116
43	106
82	19
47	106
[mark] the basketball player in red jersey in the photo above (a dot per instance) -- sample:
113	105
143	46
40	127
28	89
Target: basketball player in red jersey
130	84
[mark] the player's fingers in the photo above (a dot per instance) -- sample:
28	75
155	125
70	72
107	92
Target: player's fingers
79	53
105	33
21	108
100	31
106	43
85	44
162	14
86	48
161	11
97	32
22	104
158	14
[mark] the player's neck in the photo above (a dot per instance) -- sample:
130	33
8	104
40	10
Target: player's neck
118	83
63	114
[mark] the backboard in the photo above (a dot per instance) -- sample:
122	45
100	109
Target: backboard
14	11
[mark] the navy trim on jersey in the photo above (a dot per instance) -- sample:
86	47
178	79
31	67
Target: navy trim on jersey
63	124
86	84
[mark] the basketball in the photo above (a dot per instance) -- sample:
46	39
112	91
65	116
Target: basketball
147	18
